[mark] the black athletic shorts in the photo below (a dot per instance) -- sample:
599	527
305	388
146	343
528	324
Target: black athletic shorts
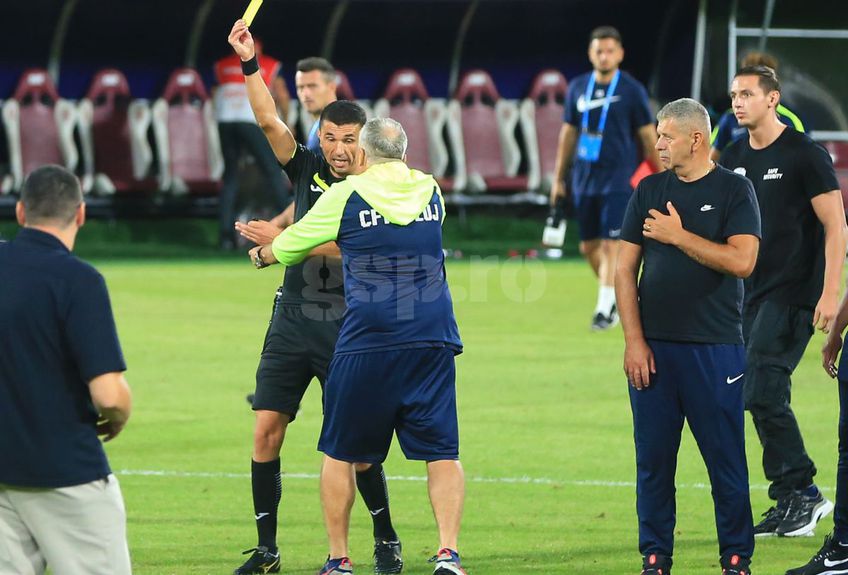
297	348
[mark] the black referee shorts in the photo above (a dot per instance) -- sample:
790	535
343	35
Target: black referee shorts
297	349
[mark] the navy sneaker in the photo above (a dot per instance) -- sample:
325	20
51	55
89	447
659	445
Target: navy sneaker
262	561
447	562
340	566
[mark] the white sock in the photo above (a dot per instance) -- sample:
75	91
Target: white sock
606	299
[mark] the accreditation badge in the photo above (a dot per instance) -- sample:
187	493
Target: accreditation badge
589	146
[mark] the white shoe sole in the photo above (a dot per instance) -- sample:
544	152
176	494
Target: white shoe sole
449	567
823	508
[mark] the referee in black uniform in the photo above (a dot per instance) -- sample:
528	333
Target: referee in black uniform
307	315
794	288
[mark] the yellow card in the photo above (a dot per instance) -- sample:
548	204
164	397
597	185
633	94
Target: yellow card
251	11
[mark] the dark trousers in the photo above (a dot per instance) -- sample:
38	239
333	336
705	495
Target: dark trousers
237	137
776	336
840	512
701	383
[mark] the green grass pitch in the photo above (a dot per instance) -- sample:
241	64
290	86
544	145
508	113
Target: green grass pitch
546	432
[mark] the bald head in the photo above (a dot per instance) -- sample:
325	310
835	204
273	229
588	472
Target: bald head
383	140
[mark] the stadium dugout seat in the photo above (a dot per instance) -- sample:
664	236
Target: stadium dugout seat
186	136
39	128
113	131
423	119
541	116
481	130
344	91
839	152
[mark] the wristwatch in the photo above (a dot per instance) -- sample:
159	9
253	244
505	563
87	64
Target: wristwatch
258	261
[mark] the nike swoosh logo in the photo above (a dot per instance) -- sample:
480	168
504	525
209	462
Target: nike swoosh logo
259	516
829	563
376	512
737	378
707	208
583	105
315	188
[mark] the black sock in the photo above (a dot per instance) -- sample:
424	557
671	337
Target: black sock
267	490
372	486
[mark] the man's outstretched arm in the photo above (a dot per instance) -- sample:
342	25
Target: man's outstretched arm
264	108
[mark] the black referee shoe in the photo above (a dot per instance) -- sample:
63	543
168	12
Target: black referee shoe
387	557
262	561
831	558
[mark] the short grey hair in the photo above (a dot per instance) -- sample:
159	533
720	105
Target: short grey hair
383	139
688	112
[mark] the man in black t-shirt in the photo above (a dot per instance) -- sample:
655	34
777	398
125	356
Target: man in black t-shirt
794	288
694	230
307	315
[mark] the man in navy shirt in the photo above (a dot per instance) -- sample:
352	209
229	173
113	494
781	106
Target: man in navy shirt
694	231
608	130
61	385
393	367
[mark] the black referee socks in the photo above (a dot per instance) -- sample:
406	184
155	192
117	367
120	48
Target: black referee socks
372	486
267	490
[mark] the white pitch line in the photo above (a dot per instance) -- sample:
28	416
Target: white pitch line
421	479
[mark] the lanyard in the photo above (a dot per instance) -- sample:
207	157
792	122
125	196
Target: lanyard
590	87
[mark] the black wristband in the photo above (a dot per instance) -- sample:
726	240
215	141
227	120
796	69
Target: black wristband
250	67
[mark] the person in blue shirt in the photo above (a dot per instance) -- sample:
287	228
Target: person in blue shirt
61	386
608	130
315	81
393	367
728	130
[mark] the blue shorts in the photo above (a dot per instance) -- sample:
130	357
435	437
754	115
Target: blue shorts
370	396
600	217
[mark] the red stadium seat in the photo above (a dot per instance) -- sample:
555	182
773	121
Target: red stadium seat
423	118
39	127
481	127
187	136
113	130
344	91
541	120
839	153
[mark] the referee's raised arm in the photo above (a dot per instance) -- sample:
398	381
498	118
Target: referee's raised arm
264	109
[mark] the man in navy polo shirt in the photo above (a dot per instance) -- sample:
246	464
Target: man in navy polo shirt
608	129
694	232
61	385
